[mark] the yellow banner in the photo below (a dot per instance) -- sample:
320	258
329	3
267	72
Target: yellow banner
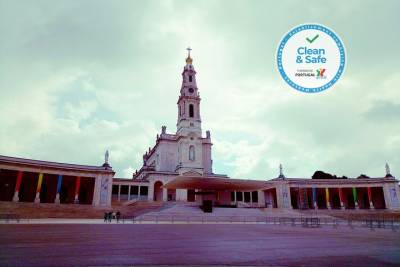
39	185
327	194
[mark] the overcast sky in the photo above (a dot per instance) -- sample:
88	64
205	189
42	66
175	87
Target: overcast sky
80	77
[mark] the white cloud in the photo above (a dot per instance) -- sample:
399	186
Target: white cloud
73	86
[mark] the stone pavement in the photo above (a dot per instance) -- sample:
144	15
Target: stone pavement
184	244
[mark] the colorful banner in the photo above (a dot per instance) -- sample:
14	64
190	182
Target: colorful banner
369	194
341	195
39	185
19	179
314	194
355	195
327	194
59	184
78	185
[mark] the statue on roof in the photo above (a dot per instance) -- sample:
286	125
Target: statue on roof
281	175
388	174
106	157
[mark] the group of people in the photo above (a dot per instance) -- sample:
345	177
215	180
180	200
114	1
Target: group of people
109	216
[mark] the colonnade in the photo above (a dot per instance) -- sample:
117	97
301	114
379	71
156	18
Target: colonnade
242	196
332	195
141	192
38	187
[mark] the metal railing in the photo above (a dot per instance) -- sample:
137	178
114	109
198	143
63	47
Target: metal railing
10	217
304	221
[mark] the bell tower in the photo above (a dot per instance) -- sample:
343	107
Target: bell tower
189	121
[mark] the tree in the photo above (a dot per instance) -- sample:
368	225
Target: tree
324	175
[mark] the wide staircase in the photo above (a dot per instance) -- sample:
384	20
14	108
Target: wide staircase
189	213
24	210
136	208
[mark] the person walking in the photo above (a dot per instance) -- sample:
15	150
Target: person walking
105	216
109	216
118	216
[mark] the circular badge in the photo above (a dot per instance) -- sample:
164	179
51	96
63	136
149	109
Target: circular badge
311	58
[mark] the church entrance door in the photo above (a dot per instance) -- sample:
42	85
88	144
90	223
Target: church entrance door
158	191
191	197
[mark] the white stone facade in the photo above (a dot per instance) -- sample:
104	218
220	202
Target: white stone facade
186	151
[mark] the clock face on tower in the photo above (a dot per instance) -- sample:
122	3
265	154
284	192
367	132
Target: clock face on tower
191	90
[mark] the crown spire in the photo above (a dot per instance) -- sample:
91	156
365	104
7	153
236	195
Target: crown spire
189	60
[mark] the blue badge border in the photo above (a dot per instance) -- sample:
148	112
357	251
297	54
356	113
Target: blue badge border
338	42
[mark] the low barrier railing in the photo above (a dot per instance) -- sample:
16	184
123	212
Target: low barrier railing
309	222
10	217
304	221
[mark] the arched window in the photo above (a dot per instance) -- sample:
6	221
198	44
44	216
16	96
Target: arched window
191	111
191	153
190	78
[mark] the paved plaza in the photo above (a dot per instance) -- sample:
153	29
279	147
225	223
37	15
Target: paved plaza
166	244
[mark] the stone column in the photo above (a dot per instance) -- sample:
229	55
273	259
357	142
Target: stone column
181	195
59	182
234	197
129	192
99	186
17	185
251	198
341	198
355	198
77	187
108	179
283	196
164	194
39	186
150	192
261	198
328	204
138	197
268	199
103	187
371	204
391	194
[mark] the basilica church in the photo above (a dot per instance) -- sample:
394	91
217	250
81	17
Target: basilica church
179	168
183	153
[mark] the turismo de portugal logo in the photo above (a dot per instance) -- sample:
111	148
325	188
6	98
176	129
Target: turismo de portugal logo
311	58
